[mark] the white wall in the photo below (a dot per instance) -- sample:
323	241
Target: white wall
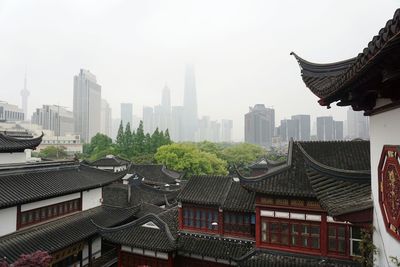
384	130
6	158
91	198
8	220
50	201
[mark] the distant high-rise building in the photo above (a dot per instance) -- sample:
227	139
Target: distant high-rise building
260	125
148	120
177	126
127	113
106	121
165	118
289	129
10	112
190	104
87	105
226	130
329	129
24	97
115	127
357	125
304	126
54	118
325	128
338	130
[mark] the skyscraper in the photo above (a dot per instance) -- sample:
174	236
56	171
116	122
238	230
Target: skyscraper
329	129
190	104
87	105
304	130
106	121
165	118
177	130
24	99
148	118
226	130
259	125
357	124
127	113
54	118
325	128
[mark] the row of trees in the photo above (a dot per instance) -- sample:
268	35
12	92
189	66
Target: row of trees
130	144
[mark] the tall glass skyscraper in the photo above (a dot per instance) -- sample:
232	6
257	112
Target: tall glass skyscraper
87	105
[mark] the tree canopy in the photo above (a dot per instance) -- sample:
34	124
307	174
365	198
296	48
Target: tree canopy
53	152
191	160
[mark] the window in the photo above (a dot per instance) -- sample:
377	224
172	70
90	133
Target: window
290	233
337	238
237	223
200	218
48	212
355	241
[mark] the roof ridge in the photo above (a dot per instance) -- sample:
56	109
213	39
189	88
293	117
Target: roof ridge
332	170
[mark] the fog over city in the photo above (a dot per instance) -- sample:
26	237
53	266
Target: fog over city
239	49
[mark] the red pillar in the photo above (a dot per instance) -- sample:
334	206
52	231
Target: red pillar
324	235
180	218
170	260
119	257
258	227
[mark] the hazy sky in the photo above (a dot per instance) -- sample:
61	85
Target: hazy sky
240	50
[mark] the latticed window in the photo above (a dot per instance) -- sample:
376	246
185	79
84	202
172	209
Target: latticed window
237	223
290	233
337	238
200	218
48	212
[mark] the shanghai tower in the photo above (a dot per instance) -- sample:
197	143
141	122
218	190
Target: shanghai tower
190	104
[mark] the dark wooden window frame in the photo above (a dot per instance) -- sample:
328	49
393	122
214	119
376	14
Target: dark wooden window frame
192	221
45	213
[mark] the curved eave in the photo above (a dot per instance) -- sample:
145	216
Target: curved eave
361	176
332	82
20	144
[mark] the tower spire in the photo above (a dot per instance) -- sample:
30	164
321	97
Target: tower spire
24	97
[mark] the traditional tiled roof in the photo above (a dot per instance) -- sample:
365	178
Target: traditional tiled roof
35	182
289	179
113	161
12	144
63	232
147	232
344	187
170	217
145	193
239	199
343	80
155	173
211	246
268	258
147	208
264	163
345	155
208	190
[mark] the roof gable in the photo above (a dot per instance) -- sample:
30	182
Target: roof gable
12	144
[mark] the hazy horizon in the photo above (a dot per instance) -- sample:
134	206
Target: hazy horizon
240	50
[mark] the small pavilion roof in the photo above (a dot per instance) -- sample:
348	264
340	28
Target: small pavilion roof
10	144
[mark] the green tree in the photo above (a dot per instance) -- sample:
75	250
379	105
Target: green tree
139	141
53	152
155	140
242	154
189	159
128	149
120	142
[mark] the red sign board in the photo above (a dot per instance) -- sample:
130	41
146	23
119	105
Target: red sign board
389	188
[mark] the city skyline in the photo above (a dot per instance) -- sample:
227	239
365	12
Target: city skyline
232	54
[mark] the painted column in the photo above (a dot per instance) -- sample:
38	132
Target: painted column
324	235
258	227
